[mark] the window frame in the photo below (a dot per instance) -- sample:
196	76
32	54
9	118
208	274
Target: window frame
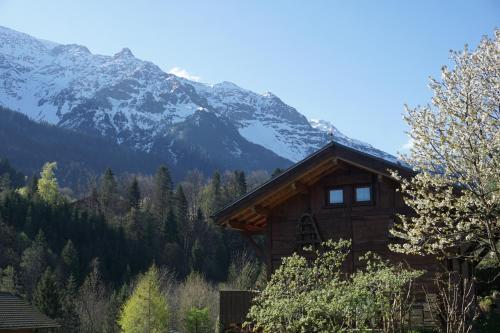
355	201
335	204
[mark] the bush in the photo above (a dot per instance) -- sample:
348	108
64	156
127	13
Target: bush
306	295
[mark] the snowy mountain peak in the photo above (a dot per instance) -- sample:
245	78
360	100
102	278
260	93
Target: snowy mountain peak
124	53
135	103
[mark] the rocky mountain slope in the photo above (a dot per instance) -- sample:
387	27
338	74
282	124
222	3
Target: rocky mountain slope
134	103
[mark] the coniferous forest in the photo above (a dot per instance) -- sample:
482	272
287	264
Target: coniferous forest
79	259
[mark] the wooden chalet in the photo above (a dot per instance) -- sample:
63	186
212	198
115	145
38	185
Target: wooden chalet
337	192
17	316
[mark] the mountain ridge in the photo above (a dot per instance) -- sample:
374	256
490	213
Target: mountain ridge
134	103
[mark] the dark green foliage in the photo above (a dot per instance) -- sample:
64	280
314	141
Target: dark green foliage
197	257
29	144
277	172
242	183
134	194
47	297
64	239
162	192
197	320
8	280
69	317
117	299
170	227
9	177
70	259
34	262
109	192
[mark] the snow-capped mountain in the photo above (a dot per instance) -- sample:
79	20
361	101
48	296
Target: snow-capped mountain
135	103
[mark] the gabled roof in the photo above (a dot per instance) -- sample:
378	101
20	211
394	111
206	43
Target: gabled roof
248	213
18	314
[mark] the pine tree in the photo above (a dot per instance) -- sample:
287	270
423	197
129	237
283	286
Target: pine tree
170	227
242	183
48	189
5	183
109	192
197	320
69	256
277	172
197	256
134	194
116	302
162	192
146	311
32	185
33	263
69	316
8	280
47	297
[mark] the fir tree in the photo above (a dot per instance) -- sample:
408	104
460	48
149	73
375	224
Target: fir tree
34	263
109	192
162	192
69	256
134	194
197	320
8	280
69	316
170	227
197	256
47	297
242	183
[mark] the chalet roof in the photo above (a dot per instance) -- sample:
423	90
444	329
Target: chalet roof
18	314
248	212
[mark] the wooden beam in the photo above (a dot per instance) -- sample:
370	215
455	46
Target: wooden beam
243	226
299	187
258	250
260	210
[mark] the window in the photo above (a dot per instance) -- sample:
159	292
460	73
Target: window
336	196
363	194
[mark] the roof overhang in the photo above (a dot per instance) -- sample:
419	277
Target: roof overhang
249	213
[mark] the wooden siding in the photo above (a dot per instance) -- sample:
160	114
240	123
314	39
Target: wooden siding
234	306
365	224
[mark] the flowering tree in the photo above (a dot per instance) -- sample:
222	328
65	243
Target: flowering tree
311	294
456	153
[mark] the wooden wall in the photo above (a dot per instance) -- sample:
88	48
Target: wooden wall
366	225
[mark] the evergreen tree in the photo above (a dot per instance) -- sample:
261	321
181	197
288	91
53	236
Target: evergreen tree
32	185
197	256
170	227
213	197
134	194
4	182
8	280
117	299
109	192
162	192
242	183
48	189
277	172
183	223
69	316
146	311
197	320
181	208
33	263
47	297
69	256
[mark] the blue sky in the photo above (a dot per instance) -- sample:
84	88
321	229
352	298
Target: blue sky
355	63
